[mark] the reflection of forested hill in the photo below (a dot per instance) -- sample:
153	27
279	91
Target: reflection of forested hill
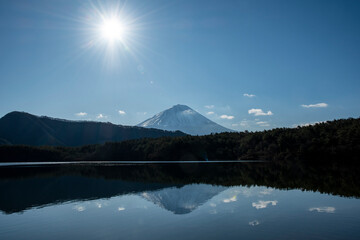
25	187
331	141
32	187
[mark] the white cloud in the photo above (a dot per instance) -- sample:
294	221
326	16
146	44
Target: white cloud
251	123
249	95
263	204
263	124
121	209
244	123
212	205
101	116
81	114
210	113
228	200
317	105
209	106
259	112
254	223
323	209
227	117
121	112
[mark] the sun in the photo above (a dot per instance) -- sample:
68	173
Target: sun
113	29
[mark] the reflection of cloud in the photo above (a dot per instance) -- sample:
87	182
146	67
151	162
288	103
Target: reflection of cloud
323	209
189	206
79	208
212	205
254	223
266	191
263	204
209	113
247	192
99	205
227	200
121	209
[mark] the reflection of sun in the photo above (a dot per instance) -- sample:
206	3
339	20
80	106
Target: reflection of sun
113	29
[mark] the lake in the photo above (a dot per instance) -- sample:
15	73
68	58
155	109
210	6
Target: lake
178	201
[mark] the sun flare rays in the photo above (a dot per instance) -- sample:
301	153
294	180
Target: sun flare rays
112	32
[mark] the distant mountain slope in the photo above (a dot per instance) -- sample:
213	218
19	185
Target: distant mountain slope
24	128
185	119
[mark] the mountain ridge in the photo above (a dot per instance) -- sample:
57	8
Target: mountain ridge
24	128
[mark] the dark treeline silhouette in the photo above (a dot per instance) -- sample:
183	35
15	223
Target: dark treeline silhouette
26	187
337	140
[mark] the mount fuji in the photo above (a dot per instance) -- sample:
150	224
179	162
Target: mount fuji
185	119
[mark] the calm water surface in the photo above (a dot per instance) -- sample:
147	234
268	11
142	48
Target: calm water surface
69	205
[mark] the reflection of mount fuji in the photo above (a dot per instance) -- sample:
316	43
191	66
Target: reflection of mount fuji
185	199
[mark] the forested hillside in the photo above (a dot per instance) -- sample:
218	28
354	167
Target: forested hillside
24	128
334	140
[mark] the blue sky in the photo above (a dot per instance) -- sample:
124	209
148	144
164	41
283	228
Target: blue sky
301	60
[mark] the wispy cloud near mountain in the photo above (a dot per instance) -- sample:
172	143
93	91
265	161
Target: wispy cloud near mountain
81	114
249	95
317	105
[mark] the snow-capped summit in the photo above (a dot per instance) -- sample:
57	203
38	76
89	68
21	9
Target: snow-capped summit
185	119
